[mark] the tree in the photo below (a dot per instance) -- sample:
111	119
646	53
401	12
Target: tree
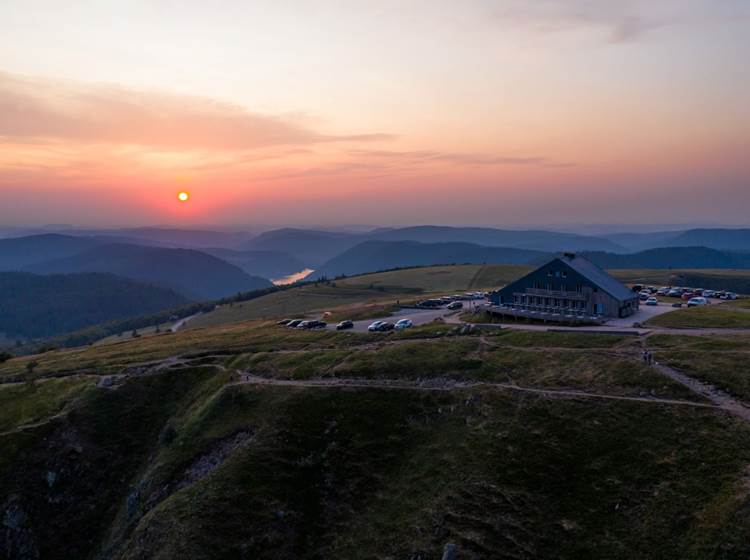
31	366
5	356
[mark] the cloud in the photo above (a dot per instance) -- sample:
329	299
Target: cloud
420	157
44	110
622	20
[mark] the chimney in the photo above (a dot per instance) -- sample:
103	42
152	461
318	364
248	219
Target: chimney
571	256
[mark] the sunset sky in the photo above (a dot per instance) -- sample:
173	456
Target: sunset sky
379	112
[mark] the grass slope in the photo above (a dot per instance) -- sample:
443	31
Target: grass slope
183	462
377	288
714	316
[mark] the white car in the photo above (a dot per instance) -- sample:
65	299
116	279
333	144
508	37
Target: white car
697	301
375	326
652	301
403	324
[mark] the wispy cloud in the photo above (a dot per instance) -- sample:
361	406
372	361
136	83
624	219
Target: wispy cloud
621	21
42	110
421	157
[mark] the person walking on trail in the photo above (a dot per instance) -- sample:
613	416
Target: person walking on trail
645	357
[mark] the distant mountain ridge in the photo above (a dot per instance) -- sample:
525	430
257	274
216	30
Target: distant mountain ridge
195	275
672	257
268	264
35	306
371	256
316	247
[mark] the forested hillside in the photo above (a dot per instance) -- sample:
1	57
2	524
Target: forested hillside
38	306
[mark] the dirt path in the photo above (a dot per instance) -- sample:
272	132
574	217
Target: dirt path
450	385
720	398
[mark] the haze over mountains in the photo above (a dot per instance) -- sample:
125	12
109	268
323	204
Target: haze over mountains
204	265
194	274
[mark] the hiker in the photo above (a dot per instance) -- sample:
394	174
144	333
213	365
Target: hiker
645	357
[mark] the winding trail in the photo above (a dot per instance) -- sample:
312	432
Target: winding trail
450	385
720	398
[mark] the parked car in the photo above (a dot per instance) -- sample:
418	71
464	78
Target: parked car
374	327
675	292
730	296
663	291
293	324
284	322
697	301
709	293
688	296
315	324
302	325
652	301
387	326
677	305
403	324
455	305
643	296
344	325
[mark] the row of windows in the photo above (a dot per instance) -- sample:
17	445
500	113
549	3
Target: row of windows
549	302
549	286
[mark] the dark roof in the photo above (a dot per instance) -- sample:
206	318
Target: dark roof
598	276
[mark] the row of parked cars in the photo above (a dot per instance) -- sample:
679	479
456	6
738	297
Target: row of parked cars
377	326
454	299
694	297
684	293
302	324
384	326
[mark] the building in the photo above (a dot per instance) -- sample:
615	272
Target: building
570	286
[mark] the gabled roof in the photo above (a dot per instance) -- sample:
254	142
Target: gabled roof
598	276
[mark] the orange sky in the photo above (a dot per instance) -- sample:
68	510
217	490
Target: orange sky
504	112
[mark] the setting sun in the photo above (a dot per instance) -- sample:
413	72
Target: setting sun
183	196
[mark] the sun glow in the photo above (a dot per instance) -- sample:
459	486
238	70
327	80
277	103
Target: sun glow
183	196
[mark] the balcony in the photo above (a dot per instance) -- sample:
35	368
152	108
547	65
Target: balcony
552	293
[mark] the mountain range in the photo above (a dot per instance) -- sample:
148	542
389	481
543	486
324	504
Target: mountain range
191	273
33	306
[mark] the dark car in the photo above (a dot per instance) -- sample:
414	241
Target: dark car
455	305
386	326
284	322
293	324
316	325
344	325
676	305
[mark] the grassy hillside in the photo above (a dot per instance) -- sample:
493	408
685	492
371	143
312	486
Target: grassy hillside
714	316
722	361
365	446
381	287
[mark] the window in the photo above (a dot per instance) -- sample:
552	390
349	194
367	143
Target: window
557	274
564	274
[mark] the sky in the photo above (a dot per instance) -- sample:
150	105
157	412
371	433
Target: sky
387	112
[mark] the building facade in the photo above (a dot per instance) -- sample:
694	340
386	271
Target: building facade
570	285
